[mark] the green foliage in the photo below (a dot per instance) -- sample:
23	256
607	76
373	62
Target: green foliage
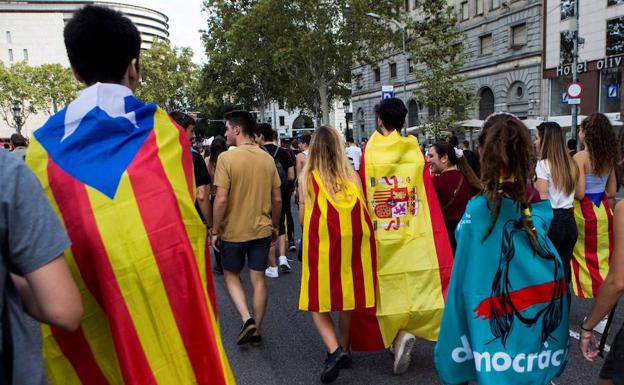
57	86
169	78
438	53
299	52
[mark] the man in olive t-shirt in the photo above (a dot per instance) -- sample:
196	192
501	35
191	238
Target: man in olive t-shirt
246	214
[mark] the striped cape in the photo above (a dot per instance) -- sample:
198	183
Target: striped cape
119	175
338	254
594	247
414	254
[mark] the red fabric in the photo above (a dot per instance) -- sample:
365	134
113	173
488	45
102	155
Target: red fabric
75	347
445	185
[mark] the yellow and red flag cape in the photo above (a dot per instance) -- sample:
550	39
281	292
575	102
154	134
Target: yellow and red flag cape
414	257
594	246
119	175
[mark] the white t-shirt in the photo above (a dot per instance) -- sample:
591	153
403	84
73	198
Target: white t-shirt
558	199
354	153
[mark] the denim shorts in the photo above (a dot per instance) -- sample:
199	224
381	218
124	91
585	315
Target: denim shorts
257	252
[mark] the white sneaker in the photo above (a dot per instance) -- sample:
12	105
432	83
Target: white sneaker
271	272
283	264
402	346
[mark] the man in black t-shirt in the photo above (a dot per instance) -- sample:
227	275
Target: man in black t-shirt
265	137
202	179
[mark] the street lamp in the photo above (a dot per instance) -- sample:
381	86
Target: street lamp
347	109
401	28
17	117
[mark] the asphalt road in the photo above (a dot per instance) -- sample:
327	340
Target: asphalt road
292	351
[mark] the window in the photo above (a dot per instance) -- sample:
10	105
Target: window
615	2
478	7
519	35
282	120
407	6
495	4
410	65
567	9
359	82
464	11
615	39
377	73
558	87
393	70
10	55
9	40
565	47
485	43
610	81
280	104
25	55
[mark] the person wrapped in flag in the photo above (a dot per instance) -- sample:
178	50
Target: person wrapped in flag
592	210
414	252
338	253
119	175
507	309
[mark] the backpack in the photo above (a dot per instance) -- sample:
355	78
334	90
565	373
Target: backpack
280	169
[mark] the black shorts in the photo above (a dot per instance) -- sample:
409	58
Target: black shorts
613	368
257	252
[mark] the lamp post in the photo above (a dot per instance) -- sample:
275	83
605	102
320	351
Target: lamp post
347	109
17	117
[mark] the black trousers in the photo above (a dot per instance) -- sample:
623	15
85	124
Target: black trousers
563	234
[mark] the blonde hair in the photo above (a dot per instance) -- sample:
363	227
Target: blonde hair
327	156
563	168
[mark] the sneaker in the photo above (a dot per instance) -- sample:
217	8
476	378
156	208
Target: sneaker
247	331
348	361
256	339
333	363
291	246
403	344
271	272
600	326
283	263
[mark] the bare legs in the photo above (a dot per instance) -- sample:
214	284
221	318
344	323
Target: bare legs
237	295
327	331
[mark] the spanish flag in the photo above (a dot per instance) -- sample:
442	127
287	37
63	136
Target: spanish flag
119	175
339	253
414	254
594	247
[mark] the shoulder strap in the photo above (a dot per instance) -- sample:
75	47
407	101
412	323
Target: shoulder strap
461	180
276	150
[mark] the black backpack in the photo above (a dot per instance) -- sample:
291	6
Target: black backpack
280	169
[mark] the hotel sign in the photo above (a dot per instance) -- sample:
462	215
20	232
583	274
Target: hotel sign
602	64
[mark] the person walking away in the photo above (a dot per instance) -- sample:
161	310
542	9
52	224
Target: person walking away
507	309
34	276
455	183
119	174
404	208
300	161
200	171
217	147
597	185
265	136
20	145
557	175
245	228
572	147
354	153
333	212
471	157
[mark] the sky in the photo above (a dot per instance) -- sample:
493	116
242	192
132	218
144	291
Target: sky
185	21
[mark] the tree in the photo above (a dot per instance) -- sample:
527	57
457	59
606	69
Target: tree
57	85
438	53
19	94
169	78
300	52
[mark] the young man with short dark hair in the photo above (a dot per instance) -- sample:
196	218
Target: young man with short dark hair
120	175
20	146
246	216
415	257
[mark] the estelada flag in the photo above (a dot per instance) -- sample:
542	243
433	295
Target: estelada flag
594	246
414	257
119	175
507	309
338	253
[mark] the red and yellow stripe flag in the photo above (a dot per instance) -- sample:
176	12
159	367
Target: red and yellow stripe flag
338	254
594	247
138	253
414	254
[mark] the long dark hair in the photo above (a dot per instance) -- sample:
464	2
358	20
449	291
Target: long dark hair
600	142
444	148
217	146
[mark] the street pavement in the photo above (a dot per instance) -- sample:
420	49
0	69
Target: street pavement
292	351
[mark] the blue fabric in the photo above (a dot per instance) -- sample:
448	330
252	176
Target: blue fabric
102	147
595	197
514	348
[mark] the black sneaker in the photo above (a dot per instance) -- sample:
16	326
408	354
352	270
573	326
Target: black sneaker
333	363
247	331
348	361
291	246
255	339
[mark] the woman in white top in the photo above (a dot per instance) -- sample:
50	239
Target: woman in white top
557	176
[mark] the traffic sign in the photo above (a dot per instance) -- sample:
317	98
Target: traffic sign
387	92
613	91
574	90
574	101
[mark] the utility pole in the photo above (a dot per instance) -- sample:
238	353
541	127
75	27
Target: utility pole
575	57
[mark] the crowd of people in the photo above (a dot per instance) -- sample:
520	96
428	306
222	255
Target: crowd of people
111	216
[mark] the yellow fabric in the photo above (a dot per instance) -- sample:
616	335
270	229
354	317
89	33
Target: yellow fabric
409	291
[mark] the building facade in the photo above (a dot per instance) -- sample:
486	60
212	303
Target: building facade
32	31
601	55
503	67
292	123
